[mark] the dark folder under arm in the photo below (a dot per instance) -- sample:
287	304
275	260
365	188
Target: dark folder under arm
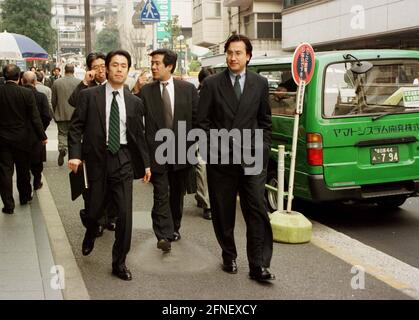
78	182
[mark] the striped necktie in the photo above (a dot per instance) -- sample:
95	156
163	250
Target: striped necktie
114	132
168	116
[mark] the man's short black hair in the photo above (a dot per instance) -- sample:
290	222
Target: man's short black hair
92	57
57	68
111	54
237	38
39	76
11	72
169	57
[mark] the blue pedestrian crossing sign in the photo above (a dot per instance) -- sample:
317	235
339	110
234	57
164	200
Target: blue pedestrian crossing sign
150	12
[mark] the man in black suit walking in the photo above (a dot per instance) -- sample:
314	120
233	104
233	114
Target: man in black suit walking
18	111
238	99
169	103
107	133
38	150
95	76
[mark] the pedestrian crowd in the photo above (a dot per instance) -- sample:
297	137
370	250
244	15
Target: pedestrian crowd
110	135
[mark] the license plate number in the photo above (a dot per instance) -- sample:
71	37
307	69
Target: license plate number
384	154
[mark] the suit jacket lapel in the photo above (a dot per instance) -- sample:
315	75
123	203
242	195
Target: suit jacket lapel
227	92
101	104
177	103
129	111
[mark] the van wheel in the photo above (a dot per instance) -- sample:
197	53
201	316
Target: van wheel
391	202
271	197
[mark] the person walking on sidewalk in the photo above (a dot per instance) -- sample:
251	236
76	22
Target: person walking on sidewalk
38	151
95	76
61	91
18	108
168	102
238	99
202	196
107	133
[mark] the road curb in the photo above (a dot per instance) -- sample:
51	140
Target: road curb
75	288
395	273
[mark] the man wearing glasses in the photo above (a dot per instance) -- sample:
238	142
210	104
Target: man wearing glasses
95	75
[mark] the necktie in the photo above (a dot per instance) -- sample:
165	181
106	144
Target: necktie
114	133
237	88
168	117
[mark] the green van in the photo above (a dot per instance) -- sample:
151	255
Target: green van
359	131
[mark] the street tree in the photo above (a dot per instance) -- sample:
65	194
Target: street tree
173	28
107	39
29	18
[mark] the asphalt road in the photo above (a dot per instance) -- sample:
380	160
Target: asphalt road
392	231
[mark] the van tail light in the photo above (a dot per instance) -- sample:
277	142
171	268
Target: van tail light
314	149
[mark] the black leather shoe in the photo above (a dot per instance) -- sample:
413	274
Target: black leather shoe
261	274
61	156
99	231
111	225
230	266
122	272
207	214
176	236
7	210
164	245
24	201
88	245
38	186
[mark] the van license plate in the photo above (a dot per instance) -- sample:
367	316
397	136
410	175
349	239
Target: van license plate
384	154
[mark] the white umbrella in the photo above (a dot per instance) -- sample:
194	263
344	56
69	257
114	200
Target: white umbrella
18	47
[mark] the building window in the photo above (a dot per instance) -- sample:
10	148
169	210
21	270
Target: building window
197	10
213	9
269	26
293	3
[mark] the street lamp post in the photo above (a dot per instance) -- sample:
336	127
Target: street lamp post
180	38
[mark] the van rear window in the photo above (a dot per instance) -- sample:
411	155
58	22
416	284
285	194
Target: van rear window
389	86
282	90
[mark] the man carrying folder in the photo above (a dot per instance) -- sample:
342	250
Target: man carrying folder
106	133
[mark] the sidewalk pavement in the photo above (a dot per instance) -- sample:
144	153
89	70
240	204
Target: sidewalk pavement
25	255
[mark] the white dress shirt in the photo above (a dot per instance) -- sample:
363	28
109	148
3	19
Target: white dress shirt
171	89
122	112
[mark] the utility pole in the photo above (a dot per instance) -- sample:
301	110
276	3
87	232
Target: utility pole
87	31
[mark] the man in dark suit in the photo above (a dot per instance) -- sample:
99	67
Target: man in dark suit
107	133
168	102
95	76
238	99
56	74
18	110
38	150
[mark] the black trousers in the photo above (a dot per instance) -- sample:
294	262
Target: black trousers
168	192
9	157
115	186
224	182
36	169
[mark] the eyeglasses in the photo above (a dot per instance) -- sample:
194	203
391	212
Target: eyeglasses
102	66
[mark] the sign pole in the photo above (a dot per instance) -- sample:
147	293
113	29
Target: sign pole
299	110
292	226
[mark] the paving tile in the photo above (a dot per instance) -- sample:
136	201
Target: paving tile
22	295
